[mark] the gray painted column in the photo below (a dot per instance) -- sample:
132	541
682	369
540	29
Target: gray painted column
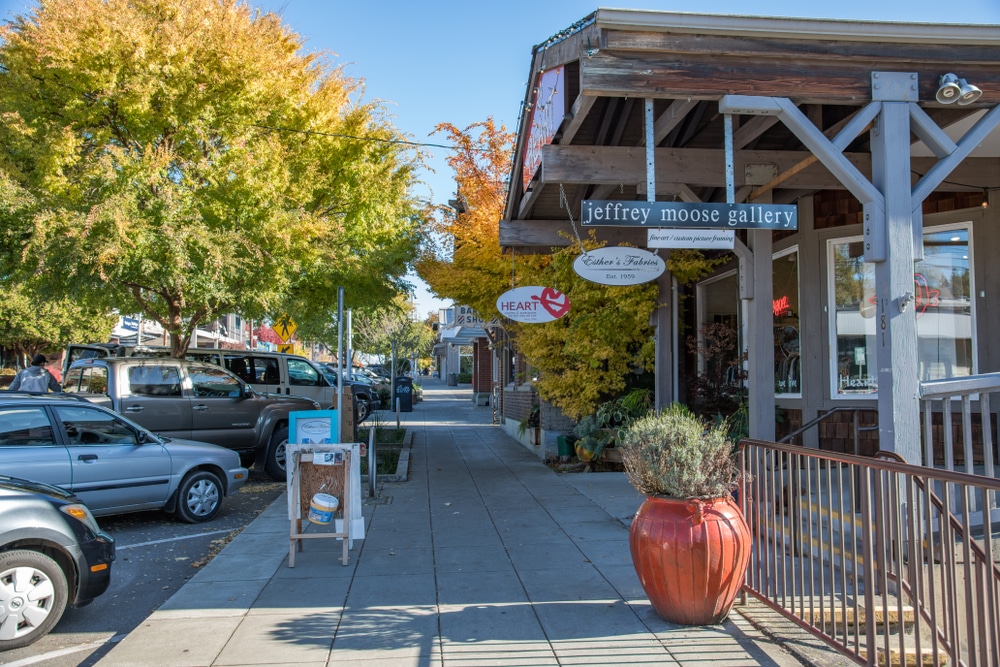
664	357
895	320
760	348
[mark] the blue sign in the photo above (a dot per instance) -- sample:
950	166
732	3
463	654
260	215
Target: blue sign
690	215
130	323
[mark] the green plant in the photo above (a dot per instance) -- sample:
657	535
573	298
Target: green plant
532	420
591	438
464	378
620	413
676	453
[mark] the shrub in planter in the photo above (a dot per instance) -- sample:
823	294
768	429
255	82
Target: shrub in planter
690	544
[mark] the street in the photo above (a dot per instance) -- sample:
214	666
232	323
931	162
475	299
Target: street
156	554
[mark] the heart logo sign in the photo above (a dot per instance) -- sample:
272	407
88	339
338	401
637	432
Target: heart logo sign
533	304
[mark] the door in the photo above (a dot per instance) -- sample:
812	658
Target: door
29	449
219	412
112	470
304	379
151	395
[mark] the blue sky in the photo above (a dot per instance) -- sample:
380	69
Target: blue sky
459	61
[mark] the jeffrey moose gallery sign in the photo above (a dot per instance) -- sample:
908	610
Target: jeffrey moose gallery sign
604	213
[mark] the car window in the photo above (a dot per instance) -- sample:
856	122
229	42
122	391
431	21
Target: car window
240	367
154	380
213	382
265	369
301	373
89	379
25	427
87	426
95	380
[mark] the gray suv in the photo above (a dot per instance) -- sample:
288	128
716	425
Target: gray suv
197	401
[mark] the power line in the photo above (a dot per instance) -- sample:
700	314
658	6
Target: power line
340	135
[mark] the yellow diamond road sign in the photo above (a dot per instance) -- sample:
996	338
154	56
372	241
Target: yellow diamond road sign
285	328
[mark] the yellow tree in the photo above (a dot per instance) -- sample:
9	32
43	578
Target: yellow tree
186	158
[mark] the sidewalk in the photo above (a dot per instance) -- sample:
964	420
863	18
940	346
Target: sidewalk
483	557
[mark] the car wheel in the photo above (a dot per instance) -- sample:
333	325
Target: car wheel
277	450
199	497
33	596
363	410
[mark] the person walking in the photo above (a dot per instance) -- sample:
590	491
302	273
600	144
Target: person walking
35	378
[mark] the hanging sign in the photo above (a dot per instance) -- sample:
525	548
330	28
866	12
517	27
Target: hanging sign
533	304
718	239
619	265
603	213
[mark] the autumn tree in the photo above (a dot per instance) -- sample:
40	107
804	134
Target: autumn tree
394	323
461	259
30	324
592	353
185	158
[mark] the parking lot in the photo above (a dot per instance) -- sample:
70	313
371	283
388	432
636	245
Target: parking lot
156	554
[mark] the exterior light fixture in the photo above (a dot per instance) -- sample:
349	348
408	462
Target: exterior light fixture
970	93
953	89
948	89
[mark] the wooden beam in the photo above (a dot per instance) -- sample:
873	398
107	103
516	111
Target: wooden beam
559	234
705	167
573	121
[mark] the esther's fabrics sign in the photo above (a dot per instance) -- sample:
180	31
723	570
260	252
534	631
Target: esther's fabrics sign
533	304
619	265
603	213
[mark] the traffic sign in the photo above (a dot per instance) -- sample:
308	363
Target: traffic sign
285	328
286	349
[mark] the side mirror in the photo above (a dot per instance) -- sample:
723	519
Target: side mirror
141	437
247	392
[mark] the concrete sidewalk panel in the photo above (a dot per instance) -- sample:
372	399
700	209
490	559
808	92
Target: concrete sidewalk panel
212	599
185	642
478	588
297	636
315	594
452	559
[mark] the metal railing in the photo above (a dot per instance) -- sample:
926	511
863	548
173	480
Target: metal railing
904	575
965	428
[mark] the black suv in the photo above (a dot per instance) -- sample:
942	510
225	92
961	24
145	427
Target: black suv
52	553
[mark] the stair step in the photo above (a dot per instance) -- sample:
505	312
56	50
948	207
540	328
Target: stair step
891	615
925	659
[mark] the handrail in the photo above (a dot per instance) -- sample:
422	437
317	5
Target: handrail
813	422
819	563
940	506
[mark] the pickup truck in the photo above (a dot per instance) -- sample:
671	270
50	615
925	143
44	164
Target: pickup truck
196	401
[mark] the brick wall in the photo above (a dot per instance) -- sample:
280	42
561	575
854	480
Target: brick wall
517	402
482	366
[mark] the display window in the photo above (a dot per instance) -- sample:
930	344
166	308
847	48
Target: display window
785	307
943	304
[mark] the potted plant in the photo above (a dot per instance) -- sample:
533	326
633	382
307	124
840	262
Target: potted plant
689	541
591	439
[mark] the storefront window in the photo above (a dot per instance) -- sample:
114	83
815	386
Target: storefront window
942	288
720	328
785	306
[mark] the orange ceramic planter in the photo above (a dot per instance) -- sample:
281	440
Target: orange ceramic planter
691	557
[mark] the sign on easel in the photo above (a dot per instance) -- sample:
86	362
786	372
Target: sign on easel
319	427
319	483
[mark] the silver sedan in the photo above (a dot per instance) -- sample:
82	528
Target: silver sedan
110	463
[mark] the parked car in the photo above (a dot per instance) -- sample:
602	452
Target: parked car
52	554
185	399
266	372
110	463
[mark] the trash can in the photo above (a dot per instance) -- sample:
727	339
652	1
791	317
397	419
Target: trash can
452	379
404	394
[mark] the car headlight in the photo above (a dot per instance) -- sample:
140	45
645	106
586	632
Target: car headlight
82	514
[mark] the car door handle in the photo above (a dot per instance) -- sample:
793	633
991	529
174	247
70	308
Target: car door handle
87	458
134	408
199	408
